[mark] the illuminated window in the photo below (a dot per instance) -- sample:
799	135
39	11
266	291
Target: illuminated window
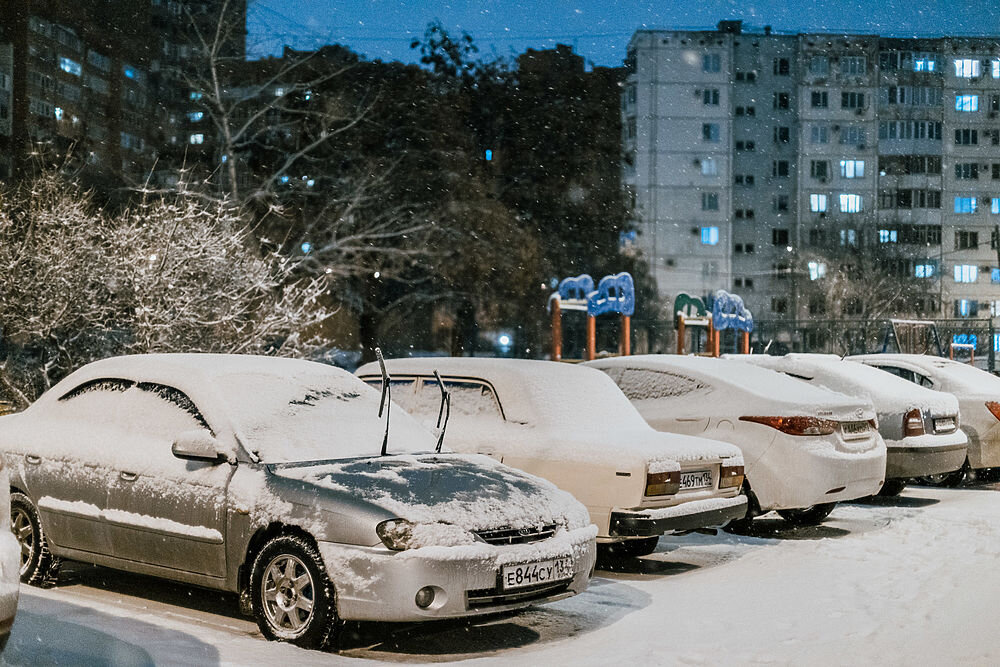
966	102
817	270
196	139
888	236
709	166
817	203
852	168
965	204
195	116
850	203
924	270
966	67
709	235
70	66
966	273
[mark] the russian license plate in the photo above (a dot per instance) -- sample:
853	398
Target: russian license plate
696	480
944	424
854	429
523	575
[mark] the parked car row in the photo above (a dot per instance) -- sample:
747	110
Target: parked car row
449	487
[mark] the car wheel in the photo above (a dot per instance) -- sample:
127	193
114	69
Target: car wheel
38	566
808	516
892	487
627	548
291	595
946	479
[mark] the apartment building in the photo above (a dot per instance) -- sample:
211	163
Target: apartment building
758	160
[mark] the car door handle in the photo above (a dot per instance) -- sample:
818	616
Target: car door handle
128	476
33	459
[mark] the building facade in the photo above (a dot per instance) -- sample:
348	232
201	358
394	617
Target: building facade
782	166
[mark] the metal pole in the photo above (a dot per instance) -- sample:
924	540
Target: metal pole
626	348
591	338
556	330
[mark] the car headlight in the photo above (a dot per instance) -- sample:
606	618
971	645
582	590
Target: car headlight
395	534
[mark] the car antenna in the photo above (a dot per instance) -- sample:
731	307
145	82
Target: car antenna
386	394
445	409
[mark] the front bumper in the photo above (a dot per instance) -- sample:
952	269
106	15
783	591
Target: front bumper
925	455
10	564
691	515
375	584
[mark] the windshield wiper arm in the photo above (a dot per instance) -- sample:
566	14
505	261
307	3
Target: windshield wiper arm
386	394
445	408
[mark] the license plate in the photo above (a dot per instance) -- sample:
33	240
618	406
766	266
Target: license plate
944	424
696	480
523	575
856	429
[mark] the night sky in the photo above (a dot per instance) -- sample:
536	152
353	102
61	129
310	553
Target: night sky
598	29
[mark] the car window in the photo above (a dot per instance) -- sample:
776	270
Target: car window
904	373
177	398
923	380
98	386
471	399
642	384
160	413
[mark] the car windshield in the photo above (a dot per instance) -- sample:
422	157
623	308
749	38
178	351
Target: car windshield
312	416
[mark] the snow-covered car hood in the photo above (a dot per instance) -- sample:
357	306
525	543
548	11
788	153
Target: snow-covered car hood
470	492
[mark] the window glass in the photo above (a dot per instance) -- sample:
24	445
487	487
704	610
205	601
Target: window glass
641	384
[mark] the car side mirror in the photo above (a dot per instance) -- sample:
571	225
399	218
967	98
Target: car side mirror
199	445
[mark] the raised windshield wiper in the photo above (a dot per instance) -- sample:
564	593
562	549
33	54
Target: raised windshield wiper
386	394
445	409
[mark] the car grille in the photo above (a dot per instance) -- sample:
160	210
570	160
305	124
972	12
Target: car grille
517	535
493	597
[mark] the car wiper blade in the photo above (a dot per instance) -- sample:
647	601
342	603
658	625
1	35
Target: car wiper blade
384	403
445	409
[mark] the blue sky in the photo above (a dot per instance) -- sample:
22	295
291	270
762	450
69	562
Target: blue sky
383	29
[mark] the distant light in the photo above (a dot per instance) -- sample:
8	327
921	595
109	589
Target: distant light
378	274
225	159
311	182
195	95
329	270
306	247
279	92
788	248
196	138
129	72
58	113
489	155
284	179
195	116
504	340
152	257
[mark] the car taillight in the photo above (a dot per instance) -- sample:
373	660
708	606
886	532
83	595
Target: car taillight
730	476
663	483
913	423
994	408
796	425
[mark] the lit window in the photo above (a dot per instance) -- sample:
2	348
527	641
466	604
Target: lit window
850	203
817	270
965	204
923	270
965	308
817	203
58	112
852	168
888	236
194	96
966	273
966	102
995	68
70	66
709	235
279	92
924	64
196	139
709	166
710	132
995	205
130	72
966	67
195	116
848	237
995	275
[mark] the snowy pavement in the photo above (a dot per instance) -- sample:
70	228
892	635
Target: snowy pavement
905	580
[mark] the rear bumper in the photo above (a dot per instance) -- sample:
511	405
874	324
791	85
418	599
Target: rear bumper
691	515
914	461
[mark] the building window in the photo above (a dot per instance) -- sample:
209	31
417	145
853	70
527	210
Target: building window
781	101
850	203
781	67
709	201
779	304
819	169
780	271
817	270
965	204
852	168
924	63
710	132
888	236
967	170
966	137
779	203
924	270
711	62
966	102
966	273
779	237
853	65
195	116
966	308
852	100
819	134
966	240
854	135
819	99
779	168
849	237
196	138
817	203
819	65
709	166
966	68
70	66
782	135
710	96
709	235
995	205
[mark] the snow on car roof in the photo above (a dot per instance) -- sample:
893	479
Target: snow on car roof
889	393
580	406
952	375
761	391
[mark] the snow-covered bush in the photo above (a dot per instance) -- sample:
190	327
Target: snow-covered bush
177	273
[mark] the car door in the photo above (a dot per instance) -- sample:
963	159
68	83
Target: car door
162	510
67	469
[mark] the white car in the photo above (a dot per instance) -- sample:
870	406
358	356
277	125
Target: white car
12	558
572	426
806	448
920	426
978	394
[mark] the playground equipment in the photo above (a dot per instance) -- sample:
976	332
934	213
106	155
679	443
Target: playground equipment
911	337
614	294
728	312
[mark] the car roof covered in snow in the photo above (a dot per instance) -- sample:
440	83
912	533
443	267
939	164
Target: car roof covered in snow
947	374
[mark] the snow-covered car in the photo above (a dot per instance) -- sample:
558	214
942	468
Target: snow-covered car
572	426
806	448
978	394
11	558
277	479
920	426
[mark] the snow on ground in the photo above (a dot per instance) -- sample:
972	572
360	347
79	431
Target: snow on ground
904	580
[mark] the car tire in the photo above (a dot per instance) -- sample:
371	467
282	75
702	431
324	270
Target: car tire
947	479
613	551
38	566
892	487
291	595
808	516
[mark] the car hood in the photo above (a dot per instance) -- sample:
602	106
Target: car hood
468	491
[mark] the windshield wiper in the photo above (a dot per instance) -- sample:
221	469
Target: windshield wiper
445	409
386	393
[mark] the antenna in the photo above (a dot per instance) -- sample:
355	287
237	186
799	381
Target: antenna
386	394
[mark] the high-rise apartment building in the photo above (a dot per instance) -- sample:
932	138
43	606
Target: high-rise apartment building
767	164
